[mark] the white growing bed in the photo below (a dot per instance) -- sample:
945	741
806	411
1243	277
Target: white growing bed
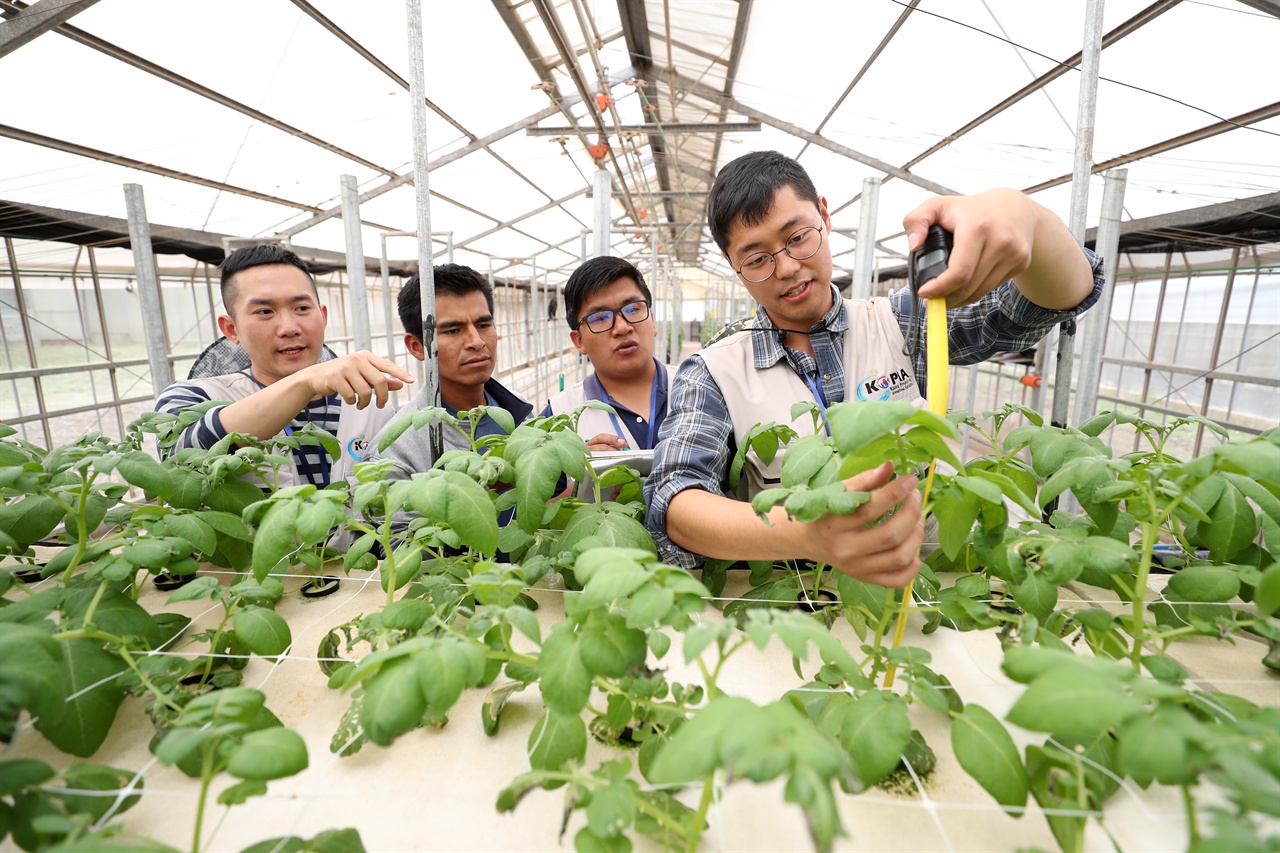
436	789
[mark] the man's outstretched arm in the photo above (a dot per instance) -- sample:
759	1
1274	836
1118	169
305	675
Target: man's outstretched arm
1000	235
880	552
361	378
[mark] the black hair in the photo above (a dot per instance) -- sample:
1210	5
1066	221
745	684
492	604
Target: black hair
593	276
454	279
261	255
745	188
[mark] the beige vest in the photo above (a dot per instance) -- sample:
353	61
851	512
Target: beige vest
874	369
356	427
593	422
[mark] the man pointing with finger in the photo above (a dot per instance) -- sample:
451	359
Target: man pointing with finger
273	311
1015	272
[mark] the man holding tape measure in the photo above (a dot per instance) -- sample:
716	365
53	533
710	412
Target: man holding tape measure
1015	272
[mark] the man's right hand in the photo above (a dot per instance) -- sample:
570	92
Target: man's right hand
606	442
860	544
880	552
360	378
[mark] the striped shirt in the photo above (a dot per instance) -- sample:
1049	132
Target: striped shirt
311	459
695	442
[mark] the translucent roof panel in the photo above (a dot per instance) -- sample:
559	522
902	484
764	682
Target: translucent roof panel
245	128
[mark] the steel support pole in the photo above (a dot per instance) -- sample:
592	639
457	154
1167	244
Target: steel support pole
356	290
1096	324
106	338
865	250
535	318
1217	347
144	264
430	391
1090	55
673	328
603	206
25	318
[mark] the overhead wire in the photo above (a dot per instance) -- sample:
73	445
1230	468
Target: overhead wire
1112	80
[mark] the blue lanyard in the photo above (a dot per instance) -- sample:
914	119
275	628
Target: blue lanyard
819	397
653	415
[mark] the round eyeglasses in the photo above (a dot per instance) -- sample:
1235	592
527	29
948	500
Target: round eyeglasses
801	246
600	322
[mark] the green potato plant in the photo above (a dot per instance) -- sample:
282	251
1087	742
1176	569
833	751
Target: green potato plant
457	550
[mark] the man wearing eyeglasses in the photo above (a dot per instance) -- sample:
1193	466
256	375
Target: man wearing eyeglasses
1015	272
607	307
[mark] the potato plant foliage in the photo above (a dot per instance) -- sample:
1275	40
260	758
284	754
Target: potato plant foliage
458	548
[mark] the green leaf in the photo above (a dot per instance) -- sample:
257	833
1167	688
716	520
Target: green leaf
31	519
19	773
566	682
263	632
446	669
694	750
874	733
987	753
202	587
407	614
241	792
556	739
463	504
1206	583
269	754
608	647
618	579
227	524
1036	595
1233	525
1151	749
1257	458
956	512
100	778
274	537
1063	703
316	518
116	613
393	702
93	693
139	469
607	527
1266	597
196	531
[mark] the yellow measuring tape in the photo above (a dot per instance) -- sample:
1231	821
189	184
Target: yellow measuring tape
938	360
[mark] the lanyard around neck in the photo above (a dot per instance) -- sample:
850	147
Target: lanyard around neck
819	398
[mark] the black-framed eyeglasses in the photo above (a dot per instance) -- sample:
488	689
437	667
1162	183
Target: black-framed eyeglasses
801	246
600	322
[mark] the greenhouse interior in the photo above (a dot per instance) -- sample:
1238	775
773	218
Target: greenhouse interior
331	518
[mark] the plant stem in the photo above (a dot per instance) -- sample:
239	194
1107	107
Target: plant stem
206	777
93	605
886	616
700	816
1139	595
1193	829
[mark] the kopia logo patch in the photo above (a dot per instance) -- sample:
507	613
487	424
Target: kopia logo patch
357	447
881	386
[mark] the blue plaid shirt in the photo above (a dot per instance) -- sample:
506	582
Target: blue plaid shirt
694	443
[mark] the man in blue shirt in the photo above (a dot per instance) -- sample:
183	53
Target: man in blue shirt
607	306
